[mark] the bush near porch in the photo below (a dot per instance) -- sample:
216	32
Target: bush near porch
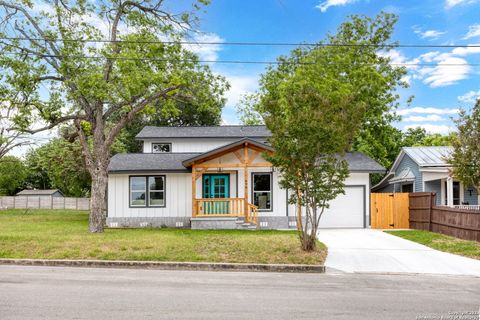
63	234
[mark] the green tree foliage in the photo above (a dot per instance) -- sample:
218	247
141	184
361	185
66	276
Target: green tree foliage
247	110
321	101
99	86
465	158
12	175
59	165
201	113
354	64
415	137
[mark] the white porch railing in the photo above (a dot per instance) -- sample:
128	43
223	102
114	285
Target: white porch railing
465	207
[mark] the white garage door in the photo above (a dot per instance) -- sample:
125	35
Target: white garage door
347	210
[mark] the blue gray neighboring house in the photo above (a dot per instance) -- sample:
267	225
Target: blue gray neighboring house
426	169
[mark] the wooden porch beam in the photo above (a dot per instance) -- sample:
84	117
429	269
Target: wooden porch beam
194	189
232	165
245	178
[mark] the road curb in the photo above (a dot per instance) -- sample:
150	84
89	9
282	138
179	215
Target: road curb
158	265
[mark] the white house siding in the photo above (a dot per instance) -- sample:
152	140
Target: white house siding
189	145
176	213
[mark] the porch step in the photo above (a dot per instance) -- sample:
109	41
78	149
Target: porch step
221	223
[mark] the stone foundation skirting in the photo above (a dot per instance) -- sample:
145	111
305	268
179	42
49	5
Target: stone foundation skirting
157	222
274	222
282	222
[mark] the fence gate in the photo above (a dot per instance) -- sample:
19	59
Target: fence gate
389	210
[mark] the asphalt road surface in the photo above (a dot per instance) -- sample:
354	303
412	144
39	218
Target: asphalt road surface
84	293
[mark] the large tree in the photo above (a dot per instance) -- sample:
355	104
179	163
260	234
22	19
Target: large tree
12	175
465	158
10	138
320	102
57	58
58	164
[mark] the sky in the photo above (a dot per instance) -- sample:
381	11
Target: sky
439	89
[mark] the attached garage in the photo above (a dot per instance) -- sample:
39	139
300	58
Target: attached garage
348	210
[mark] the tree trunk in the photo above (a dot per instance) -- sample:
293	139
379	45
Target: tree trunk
98	199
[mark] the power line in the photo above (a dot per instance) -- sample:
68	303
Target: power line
406	64
240	43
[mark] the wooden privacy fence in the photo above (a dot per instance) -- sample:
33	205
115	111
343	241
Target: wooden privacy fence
459	223
44	202
389	210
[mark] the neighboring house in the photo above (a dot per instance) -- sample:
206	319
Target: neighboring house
41	193
216	177
425	169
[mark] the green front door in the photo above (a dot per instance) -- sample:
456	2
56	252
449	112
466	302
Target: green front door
216	186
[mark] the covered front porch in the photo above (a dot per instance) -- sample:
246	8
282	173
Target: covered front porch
230	185
450	192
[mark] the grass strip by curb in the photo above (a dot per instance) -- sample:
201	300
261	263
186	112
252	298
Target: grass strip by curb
159	265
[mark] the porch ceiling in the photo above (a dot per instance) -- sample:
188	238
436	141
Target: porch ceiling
252	144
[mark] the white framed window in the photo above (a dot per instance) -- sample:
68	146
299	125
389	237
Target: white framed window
161	147
147	191
262	190
156	191
138	191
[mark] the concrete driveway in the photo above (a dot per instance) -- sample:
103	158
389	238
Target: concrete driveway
367	250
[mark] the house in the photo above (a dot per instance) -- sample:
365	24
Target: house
425	169
216	177
40	193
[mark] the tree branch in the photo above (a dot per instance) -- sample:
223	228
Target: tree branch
130	115
54	124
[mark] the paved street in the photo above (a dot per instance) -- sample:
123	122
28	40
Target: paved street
369	250
81	293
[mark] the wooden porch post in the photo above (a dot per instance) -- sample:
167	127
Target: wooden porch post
245	178
194	190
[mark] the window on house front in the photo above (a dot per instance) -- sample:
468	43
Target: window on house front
161	147
138	191
147	191
262	190
456	193
156	191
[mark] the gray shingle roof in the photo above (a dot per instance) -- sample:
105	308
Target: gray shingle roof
147	162
173	162
429	156
47	192
360	162
204	132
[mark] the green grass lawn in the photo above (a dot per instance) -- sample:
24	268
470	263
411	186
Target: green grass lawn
63	234
441	242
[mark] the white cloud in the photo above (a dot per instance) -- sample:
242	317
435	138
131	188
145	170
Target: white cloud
429	34
239	85
464	51
432	128
470	97
430	117
452	3
427	110
206	51
323	6
448	71
473	31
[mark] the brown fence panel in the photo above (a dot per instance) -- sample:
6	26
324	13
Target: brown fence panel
420	206
459	223
389	210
